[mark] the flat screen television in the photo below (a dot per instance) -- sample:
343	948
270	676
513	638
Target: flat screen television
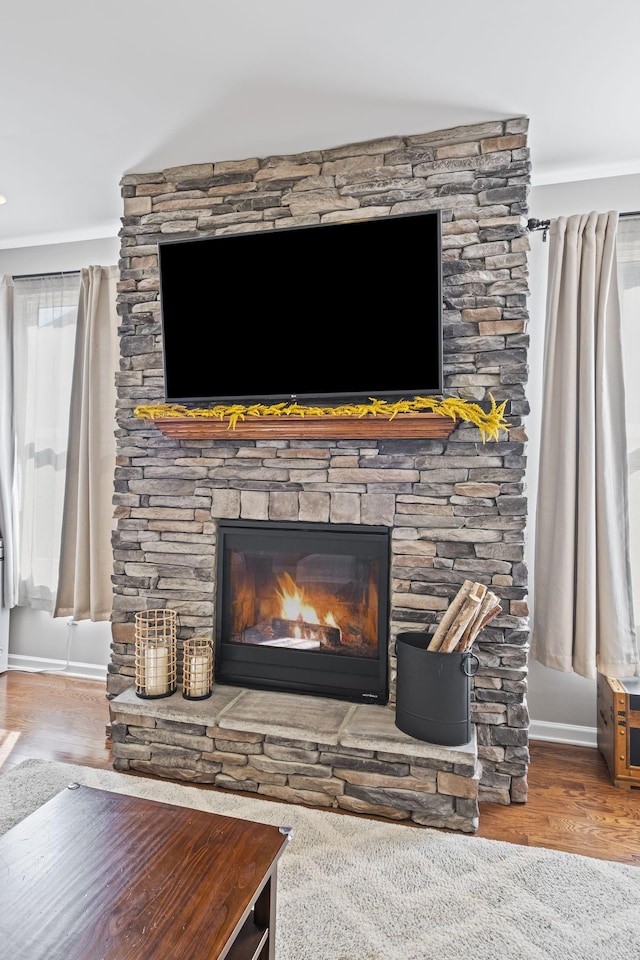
323	313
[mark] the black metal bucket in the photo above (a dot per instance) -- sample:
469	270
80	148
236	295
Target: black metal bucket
433	691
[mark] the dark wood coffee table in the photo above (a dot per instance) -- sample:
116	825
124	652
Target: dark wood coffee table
95	875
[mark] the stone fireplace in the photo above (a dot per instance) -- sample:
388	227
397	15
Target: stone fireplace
452	507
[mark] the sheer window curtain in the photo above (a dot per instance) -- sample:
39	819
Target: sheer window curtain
44	329
57	383
583	614
8	498
629	274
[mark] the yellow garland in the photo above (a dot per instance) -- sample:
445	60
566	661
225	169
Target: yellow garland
489	422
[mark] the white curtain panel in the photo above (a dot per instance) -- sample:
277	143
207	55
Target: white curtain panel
44	328
8	500
84	589
583	612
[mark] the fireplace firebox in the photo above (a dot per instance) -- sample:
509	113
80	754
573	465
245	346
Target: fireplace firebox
303	608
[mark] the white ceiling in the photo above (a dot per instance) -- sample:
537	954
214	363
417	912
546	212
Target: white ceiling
90	91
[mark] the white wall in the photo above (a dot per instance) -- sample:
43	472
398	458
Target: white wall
51	258
555	698
37	641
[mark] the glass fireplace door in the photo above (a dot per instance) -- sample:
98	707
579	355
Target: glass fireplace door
304	607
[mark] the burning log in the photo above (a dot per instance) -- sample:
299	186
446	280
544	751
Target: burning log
322	633
473	607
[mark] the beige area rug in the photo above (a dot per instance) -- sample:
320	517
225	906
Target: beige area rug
351	888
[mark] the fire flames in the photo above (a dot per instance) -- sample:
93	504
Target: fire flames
294	607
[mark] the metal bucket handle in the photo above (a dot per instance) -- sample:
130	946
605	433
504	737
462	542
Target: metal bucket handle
469	660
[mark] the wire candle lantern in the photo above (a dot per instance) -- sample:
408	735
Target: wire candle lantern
197	669
156	659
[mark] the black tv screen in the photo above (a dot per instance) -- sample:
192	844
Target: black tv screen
329	312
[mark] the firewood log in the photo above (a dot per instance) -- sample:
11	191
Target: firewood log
323	633
449	616
467	614
489	608
490	614
469	635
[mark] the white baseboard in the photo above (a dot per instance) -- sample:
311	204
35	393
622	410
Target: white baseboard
563	733
75	668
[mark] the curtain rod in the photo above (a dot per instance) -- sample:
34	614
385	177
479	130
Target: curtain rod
54	273
544	225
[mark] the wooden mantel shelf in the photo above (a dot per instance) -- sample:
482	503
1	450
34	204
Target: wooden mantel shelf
403	425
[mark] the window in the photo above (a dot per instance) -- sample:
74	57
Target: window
45	313
629	282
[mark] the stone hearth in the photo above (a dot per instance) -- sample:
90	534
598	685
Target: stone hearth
455	506
308	750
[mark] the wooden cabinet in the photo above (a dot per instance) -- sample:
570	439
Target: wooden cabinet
619	729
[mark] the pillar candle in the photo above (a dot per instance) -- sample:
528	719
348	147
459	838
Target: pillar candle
156	671
198	676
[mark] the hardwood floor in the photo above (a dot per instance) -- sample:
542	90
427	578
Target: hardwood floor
53	717
572	803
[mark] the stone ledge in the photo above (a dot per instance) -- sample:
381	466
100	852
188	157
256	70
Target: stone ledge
296	717
330	753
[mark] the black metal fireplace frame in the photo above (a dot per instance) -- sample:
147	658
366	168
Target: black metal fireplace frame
356	679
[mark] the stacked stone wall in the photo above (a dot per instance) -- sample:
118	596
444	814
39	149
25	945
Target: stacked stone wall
397	779
456	508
